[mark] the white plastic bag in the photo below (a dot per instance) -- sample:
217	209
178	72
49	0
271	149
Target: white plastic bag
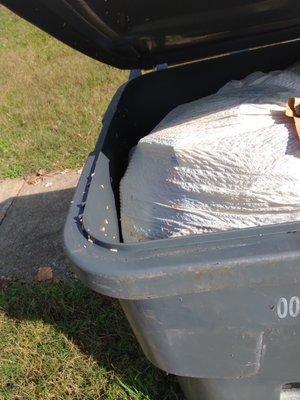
227	161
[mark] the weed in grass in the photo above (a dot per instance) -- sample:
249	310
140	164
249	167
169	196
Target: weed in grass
62	341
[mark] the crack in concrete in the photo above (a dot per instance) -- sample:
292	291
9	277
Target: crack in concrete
13	198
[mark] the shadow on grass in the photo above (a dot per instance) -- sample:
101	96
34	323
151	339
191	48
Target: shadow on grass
96	324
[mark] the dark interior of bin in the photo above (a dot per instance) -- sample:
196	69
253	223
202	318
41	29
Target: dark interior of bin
147	99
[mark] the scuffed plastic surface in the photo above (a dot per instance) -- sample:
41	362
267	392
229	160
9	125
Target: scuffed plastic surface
227	161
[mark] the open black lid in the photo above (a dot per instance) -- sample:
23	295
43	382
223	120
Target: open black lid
141	34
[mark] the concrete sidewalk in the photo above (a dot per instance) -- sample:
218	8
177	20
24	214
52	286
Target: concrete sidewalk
32	216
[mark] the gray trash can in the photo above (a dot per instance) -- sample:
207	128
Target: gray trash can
221	311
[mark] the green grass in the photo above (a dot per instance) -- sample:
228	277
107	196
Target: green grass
62	341
52	99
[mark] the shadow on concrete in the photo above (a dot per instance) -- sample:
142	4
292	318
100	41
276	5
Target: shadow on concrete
31	235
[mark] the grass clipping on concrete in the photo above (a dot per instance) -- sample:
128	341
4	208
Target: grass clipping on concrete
62	341
52	99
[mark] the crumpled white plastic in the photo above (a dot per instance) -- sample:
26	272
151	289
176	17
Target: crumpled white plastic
227	161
